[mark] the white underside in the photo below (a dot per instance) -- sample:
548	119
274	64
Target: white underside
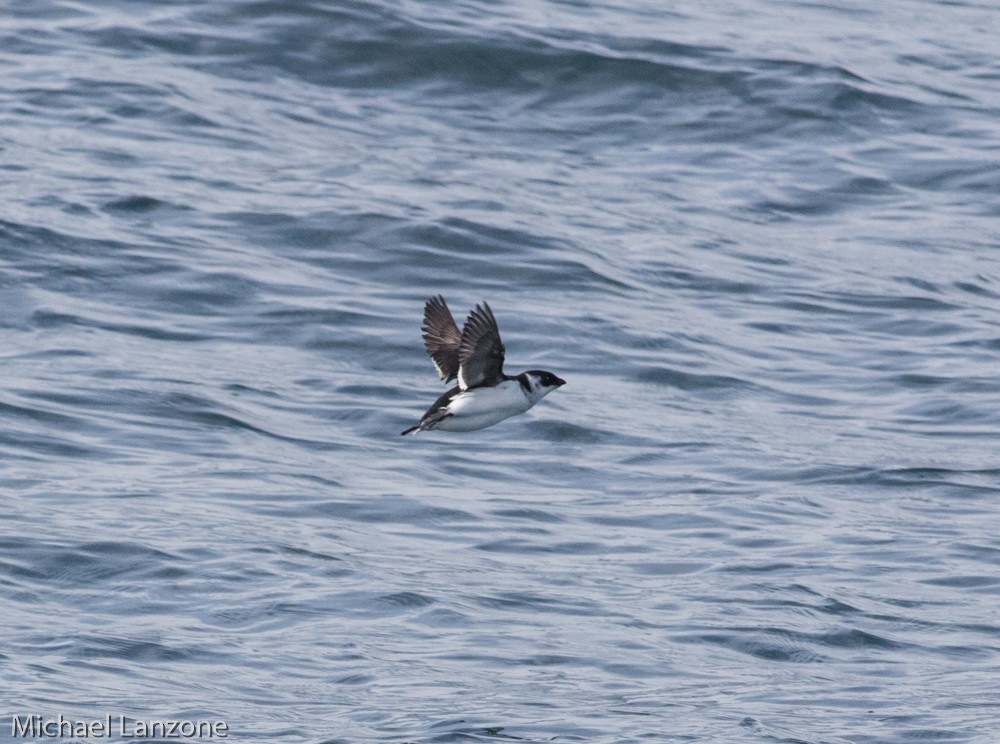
482	407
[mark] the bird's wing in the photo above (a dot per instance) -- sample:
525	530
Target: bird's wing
480	353
441	337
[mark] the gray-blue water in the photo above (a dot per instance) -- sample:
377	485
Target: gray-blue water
759	240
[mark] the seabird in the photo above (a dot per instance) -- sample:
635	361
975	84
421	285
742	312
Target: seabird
484	395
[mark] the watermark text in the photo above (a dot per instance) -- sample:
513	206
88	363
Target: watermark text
120	726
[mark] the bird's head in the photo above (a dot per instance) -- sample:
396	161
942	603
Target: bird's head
540	383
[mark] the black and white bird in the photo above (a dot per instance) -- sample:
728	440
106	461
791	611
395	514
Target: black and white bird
484	395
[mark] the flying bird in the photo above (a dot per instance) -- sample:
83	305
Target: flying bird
484	395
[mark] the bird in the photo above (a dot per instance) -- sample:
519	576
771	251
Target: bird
484	395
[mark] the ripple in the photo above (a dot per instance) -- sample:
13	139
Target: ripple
765	261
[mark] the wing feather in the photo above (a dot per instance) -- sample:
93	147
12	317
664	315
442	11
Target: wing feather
441	337
480	351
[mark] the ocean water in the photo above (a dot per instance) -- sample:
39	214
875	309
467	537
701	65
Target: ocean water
759	241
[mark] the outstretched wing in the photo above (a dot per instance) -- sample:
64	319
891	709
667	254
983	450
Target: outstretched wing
441	337
480	353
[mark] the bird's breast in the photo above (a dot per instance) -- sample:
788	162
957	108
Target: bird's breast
507	398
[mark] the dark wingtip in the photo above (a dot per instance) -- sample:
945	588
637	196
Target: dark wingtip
411	429
482	309
486	310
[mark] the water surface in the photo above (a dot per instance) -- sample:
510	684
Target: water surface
758	241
